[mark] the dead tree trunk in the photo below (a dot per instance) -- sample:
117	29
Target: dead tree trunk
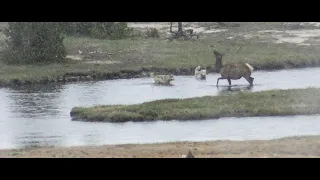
180	27
181	33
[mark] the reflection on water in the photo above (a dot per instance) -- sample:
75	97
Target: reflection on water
39	115
34	102
36	139
222	90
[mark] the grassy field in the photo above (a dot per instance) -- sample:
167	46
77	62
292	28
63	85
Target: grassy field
189	54
244	104
133	57
292	147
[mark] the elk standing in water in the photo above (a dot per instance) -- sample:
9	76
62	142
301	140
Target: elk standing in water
232	71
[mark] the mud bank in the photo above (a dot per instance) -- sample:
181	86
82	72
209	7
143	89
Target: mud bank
291	147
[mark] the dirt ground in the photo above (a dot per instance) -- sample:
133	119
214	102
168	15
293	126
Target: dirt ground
292	147
304	33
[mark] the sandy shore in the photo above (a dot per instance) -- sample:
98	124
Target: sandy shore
306	146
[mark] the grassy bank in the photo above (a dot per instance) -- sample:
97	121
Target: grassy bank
244	104
292	147
189	54
135	57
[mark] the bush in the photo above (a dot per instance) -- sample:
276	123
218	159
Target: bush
33	42
101	30
153	33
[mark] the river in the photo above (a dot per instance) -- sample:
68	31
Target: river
39	116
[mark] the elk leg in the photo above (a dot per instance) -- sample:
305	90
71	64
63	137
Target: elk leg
219	79
250	80
229	81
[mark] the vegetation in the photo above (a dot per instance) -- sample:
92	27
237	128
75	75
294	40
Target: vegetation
42	42
244	104
33	43
153	33
187	54
100	30
127	57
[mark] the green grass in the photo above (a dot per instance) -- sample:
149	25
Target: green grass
244	104
160	55
33	74
177	54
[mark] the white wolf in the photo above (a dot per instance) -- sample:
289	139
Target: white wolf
200	73
162	79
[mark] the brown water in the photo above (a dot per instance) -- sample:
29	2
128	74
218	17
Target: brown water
40	116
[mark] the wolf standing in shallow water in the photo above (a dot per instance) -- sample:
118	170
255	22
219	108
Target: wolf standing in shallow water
162	79
200	73
232	71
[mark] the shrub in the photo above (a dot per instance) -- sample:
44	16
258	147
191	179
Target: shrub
101	30
153	33
33	42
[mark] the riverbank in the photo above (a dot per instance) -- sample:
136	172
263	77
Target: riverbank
290	147
243	104
136	57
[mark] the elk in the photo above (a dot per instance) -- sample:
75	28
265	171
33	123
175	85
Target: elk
200	73
233	71
162	79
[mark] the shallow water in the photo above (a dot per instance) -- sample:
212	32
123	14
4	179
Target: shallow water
40	116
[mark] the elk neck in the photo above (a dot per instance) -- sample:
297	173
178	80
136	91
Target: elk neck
218	60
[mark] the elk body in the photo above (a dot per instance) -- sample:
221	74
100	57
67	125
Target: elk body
162	79
200	73
232	71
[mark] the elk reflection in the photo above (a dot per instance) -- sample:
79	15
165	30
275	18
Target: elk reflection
233	89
